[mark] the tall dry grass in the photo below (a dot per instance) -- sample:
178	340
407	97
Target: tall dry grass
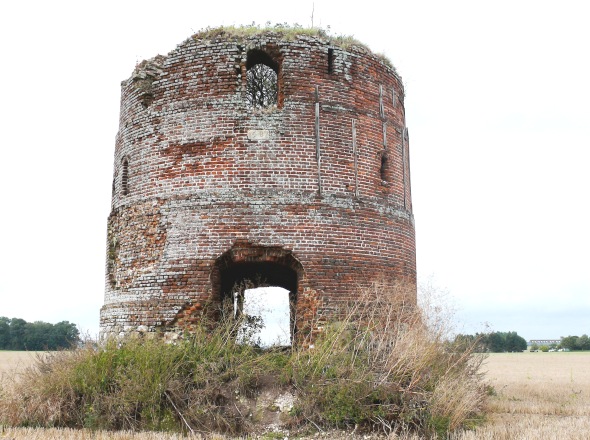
386	363
534	400
85	434
383	366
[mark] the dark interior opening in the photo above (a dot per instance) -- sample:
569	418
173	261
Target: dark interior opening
257	56
384	168
261	274
125	177
330	60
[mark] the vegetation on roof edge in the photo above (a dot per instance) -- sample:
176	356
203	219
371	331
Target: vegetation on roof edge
288	32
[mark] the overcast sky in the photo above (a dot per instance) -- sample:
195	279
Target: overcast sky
498	111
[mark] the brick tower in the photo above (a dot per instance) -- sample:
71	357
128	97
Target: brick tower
306	188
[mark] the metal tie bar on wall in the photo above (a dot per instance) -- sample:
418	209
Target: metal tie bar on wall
381	108
404	163
409	185
355	157
317	137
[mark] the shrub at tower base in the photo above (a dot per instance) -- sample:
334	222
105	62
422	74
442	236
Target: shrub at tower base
383	366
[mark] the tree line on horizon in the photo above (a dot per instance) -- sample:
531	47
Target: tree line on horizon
575	342
18	334
494	342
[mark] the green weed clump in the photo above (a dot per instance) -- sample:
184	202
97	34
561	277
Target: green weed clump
143	384
383	365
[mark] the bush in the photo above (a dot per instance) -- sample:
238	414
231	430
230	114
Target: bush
380	367
141	385
384	367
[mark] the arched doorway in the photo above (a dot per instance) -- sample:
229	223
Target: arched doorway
254	283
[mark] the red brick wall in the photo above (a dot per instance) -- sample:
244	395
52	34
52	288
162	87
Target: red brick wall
208	176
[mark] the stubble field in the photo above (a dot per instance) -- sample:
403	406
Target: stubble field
536	396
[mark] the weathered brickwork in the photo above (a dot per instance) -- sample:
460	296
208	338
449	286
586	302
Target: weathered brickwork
313	193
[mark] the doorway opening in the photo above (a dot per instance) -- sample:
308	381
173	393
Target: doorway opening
258	287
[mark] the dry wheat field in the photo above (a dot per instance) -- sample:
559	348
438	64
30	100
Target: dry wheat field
537	396
13	361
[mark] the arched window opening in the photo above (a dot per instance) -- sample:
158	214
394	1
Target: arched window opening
125	177
262	87
262	297
384	168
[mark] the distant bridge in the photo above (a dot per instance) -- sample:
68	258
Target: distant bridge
544	341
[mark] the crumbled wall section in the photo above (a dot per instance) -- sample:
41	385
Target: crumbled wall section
305	181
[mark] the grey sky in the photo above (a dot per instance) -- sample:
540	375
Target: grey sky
271	304
497	109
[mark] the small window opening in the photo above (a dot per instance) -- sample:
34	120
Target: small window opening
330	60
383	170
262	87
146	99
125	178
